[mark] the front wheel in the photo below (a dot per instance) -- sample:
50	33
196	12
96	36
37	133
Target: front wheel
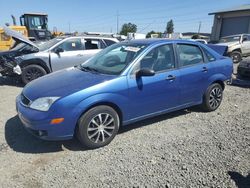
236	56
98	127
32	72
213	97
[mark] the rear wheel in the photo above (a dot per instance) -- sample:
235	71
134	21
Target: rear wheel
213	97
98	126
32	72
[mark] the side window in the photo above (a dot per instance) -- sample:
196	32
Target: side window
71	45
109	42
209	56
246	37
92	44
189	54
159	59
102	43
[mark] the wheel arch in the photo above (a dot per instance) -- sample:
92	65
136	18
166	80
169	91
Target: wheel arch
236	50
35	62
106	103
222	84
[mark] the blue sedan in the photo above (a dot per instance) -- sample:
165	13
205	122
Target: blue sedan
124	83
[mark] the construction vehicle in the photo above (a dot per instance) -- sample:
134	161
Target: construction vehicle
36	25
6	42
32	25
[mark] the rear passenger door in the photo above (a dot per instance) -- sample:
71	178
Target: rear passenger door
194	73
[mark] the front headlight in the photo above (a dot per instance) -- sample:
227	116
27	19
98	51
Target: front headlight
43	103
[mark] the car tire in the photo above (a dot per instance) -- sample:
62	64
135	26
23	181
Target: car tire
98	127
212	98
32	72
236	56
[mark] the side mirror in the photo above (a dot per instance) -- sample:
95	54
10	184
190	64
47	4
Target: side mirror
145	72
59	50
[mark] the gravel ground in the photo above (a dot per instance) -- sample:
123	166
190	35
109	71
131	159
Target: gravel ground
187	148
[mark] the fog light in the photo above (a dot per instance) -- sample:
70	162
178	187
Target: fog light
42	133
56	120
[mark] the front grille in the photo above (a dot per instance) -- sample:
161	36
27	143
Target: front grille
25	101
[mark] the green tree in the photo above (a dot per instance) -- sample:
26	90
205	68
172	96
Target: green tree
170	27
153	32
128	28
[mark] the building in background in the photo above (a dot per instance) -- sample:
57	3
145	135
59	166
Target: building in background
230	22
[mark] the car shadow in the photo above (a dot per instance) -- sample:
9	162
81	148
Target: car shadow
11	81
240	180
20	140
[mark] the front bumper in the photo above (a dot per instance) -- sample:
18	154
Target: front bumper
38	123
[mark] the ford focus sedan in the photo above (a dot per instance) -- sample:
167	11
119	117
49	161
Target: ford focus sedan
122	84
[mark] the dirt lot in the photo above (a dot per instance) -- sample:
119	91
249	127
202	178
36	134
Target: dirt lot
188	148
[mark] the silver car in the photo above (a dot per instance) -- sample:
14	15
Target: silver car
58	53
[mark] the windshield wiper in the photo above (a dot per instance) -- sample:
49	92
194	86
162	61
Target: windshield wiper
89	69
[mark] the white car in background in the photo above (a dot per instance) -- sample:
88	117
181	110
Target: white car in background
238	46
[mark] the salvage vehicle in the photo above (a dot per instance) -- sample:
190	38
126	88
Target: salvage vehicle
238	46
124	83
243	69
56	54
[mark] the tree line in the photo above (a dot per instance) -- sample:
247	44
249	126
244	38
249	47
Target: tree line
132	28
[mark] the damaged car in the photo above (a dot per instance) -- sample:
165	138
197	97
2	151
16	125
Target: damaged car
35	61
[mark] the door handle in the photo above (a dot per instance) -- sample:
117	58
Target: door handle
204	69
171	77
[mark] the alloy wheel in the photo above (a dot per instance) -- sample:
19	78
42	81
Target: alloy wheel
215	97
33	73
101	128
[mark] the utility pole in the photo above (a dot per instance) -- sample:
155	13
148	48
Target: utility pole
117	22
69	27
199	28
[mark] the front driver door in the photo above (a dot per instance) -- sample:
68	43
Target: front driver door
72	54
246	44
152	94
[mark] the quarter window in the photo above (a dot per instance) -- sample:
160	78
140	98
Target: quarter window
159	59
71	45
189	54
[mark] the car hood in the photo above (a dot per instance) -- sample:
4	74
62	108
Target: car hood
63	83
229	44
18	37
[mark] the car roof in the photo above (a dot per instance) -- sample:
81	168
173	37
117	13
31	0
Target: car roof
158	41
88	36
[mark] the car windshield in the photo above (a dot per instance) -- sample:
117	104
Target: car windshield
114	59
49	44
230	39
